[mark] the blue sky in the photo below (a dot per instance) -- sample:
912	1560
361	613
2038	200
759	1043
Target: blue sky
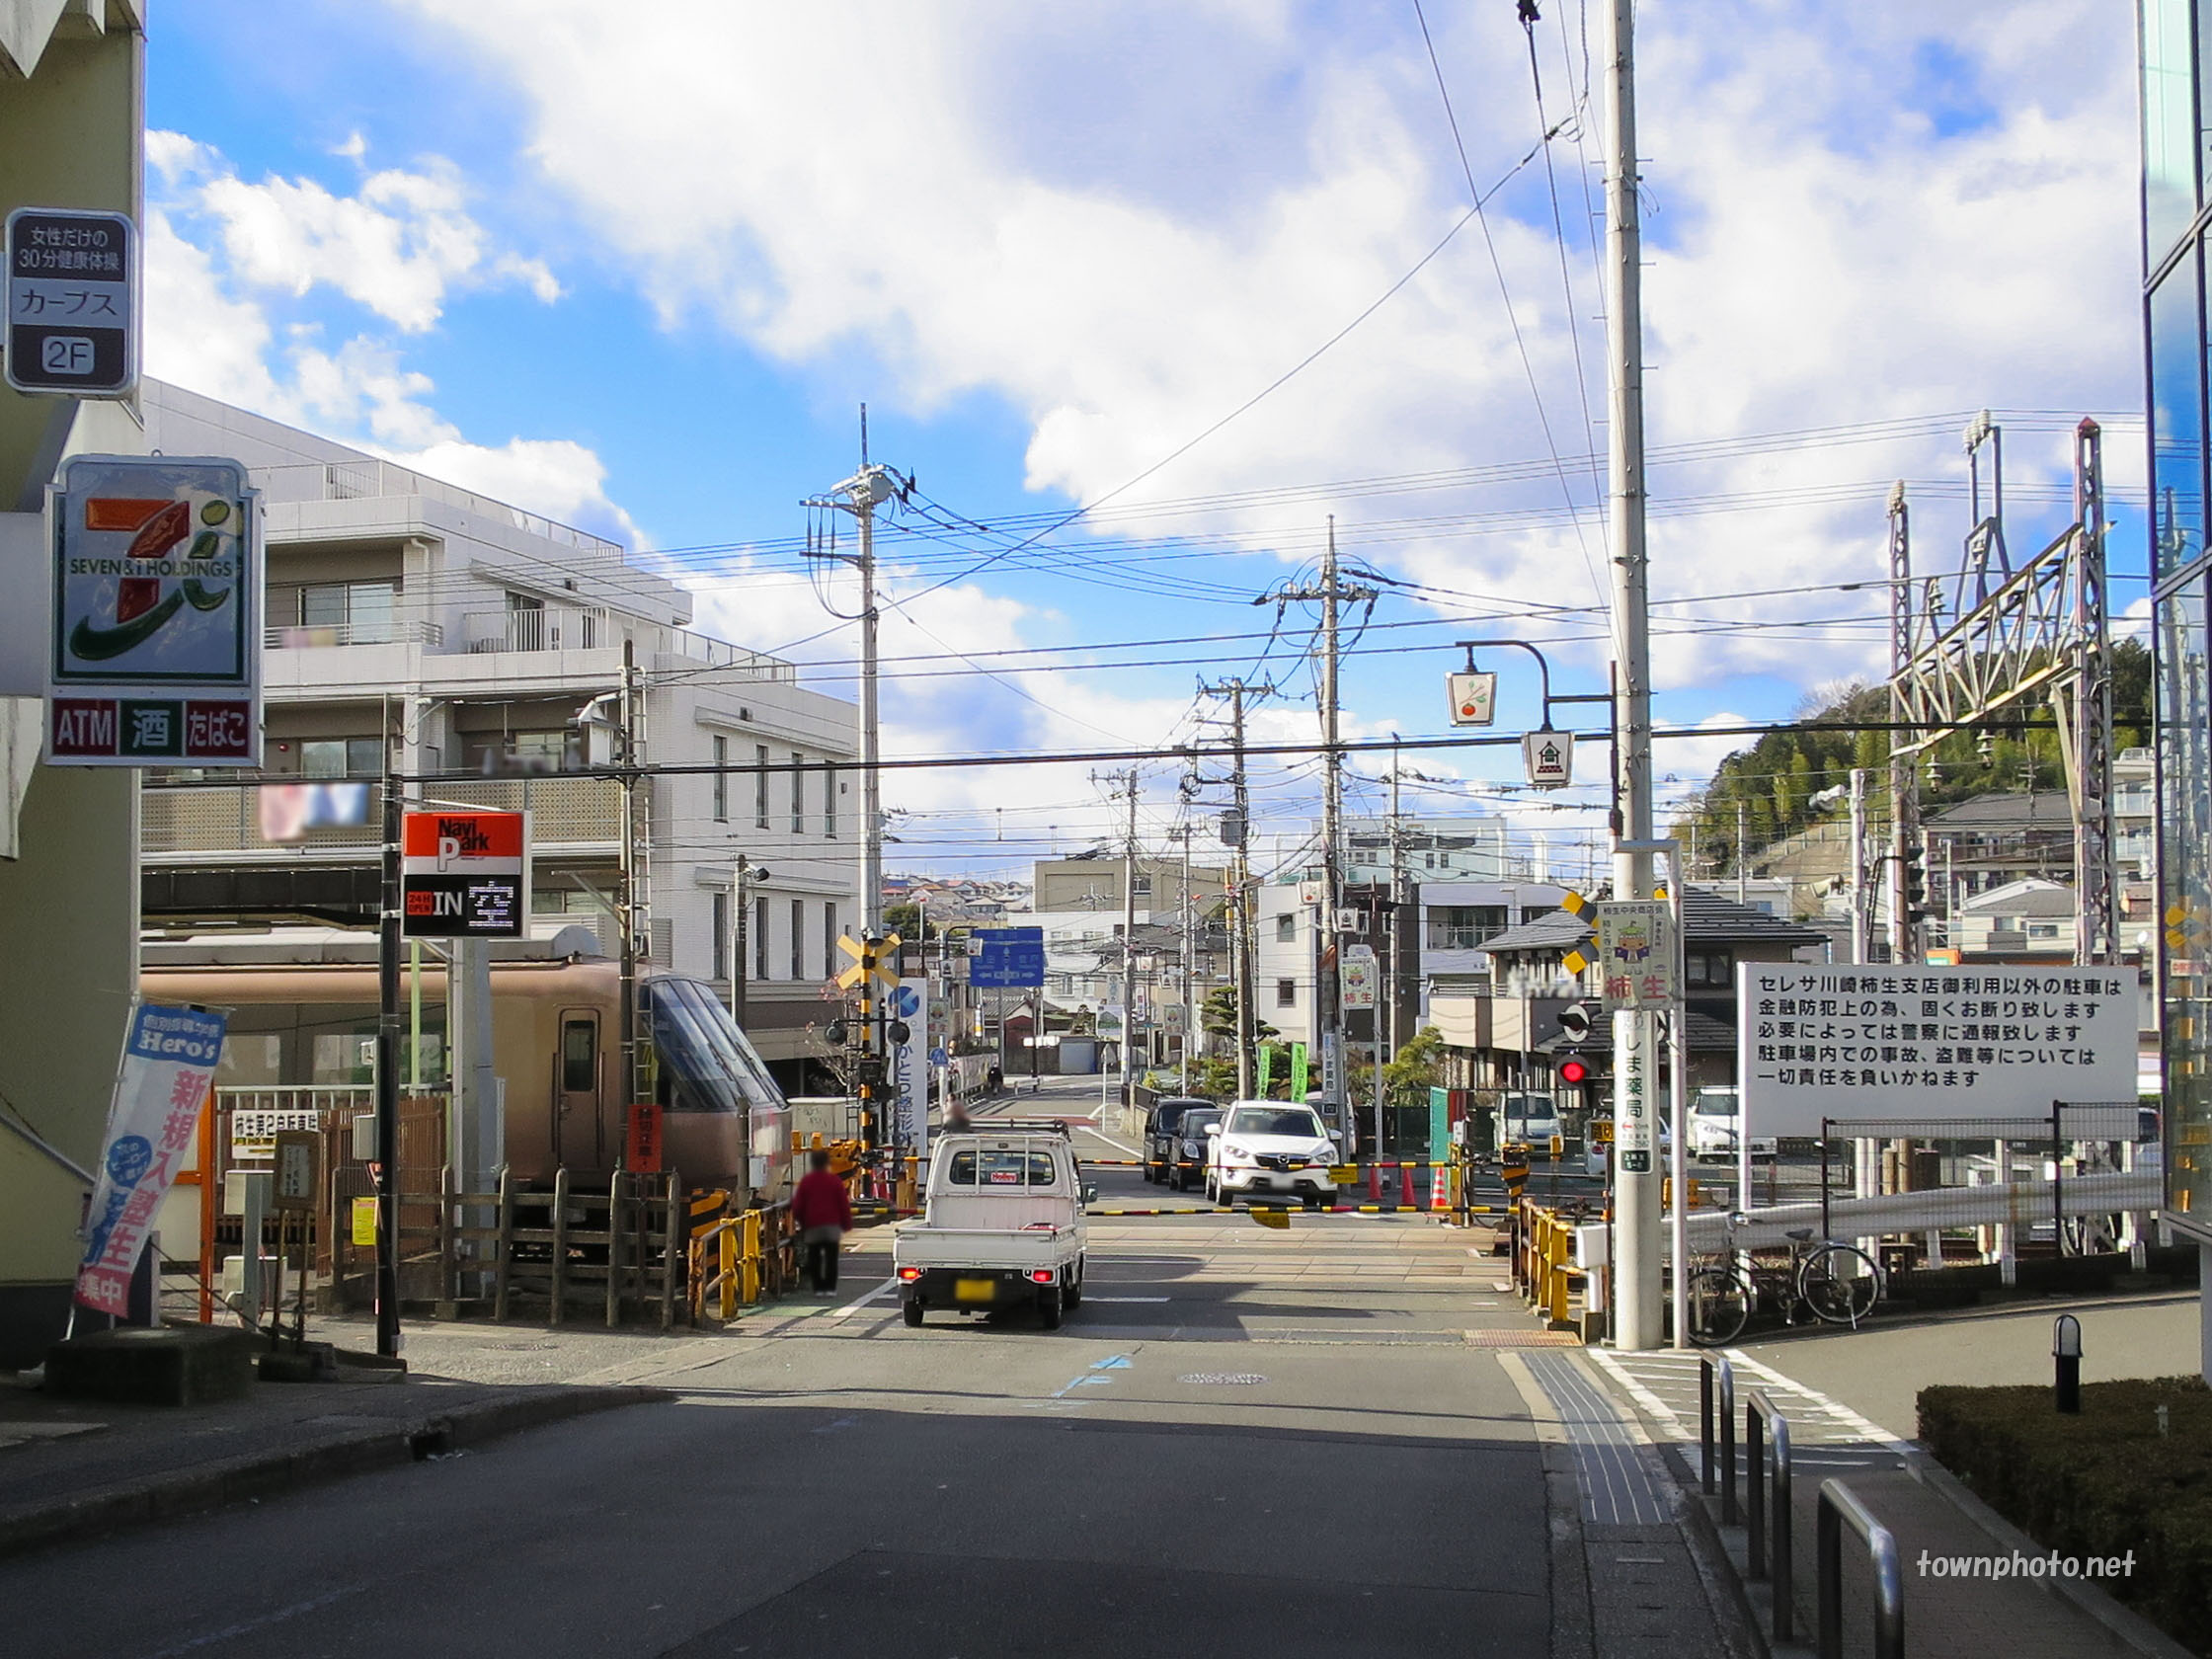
639	268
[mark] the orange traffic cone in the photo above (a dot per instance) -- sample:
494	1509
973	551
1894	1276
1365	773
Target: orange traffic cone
1440	1188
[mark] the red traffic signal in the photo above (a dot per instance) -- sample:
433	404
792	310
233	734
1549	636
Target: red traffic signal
1572	1070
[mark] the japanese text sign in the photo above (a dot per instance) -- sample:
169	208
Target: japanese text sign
155	652
72	298
462	874
168	1068
1637	953
1907	1041
1010	958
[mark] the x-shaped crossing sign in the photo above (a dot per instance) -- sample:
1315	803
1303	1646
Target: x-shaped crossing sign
872	959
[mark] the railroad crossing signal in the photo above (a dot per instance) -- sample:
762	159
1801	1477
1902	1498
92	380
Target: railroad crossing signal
1582	910
873	959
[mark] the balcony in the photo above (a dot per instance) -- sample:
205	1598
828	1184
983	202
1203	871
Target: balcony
312	481
312	635
553	628
188	820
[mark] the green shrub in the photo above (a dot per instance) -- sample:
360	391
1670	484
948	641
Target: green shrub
2101	1483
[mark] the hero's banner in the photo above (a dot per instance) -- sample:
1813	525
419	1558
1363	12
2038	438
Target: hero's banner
1907	1041
155	656
168	1067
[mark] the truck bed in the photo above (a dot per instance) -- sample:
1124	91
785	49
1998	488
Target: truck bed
920	1244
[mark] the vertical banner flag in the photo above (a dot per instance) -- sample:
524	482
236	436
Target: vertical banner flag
1301	1076
1263	1068
168	1068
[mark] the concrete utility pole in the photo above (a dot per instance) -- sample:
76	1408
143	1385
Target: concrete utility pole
1186	913
1859	927
860	495
1636	1283
1386	1008
1328	1013
1743	859
1128	955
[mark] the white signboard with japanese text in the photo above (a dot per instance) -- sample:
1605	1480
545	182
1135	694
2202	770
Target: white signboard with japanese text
1637	953
168	1068
1634	1098
1904	1040
1356	978
908	1003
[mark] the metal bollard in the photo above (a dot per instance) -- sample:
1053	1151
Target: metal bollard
1768	1541
1710	1367
1838	1504
2066	1362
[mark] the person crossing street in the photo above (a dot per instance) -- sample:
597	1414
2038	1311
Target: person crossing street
822	1213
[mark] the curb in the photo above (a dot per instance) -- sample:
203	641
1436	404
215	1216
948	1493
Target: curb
211	1486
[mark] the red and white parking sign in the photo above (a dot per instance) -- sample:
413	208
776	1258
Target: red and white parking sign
462	874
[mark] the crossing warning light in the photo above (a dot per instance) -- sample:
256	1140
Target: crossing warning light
1572	1070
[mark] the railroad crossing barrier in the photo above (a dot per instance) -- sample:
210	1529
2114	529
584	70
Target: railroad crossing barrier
1544	1264
737	1259
1838	1506
1767	1543
1716	1386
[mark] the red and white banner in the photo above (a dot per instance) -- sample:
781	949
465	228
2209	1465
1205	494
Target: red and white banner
167	1073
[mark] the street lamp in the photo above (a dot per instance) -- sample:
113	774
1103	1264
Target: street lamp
745	873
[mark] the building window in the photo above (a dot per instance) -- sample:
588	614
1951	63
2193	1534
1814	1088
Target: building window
798	794
1285	994
721	784
760	937
760	786
721	910
798	938
342	757
1142	884
829	802
362	608
1286	929
1465	926
1715	969
830	936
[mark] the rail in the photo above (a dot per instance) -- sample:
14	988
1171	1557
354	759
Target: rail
1544	1264
1717	1386
1840	1506
1768	1543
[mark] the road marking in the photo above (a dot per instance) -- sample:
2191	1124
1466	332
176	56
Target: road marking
1112	1361
852	1307
1087	1296
1118	1145
314	1604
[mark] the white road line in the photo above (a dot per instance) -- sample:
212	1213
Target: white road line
1119	1146
852	1307
1087	1296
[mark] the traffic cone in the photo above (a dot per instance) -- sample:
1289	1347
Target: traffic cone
1440	1188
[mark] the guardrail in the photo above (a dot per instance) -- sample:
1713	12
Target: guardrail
1716	1386
1543	1262
1838	1506
1767	1549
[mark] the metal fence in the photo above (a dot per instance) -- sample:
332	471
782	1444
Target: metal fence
1949	1164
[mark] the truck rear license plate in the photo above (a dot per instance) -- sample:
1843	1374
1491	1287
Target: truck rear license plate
974	1289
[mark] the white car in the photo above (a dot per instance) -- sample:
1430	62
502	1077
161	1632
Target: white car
1267	1149
1529	1120
1716	1120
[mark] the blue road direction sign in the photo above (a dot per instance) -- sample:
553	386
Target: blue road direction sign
1010	958
72	299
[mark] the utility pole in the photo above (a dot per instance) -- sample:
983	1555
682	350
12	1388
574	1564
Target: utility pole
1903	776
860	495
1743	861
1859	865
1328	1013
1636	1281
1128	955
1242	921
1185	913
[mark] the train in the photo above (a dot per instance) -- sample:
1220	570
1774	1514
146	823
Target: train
304	1018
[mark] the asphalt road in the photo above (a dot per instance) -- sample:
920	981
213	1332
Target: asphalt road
1246	1441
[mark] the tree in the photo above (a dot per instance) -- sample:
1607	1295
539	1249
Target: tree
1217	1016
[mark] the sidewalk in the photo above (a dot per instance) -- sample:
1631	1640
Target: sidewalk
1924	1509
73	1468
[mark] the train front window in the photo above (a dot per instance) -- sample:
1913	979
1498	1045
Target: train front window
703	1052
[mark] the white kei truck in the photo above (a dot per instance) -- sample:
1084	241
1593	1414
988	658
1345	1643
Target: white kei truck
1001	1227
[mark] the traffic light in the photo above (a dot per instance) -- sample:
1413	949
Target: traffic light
1574	1028
1916	883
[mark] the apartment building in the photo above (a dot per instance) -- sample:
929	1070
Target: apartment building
459	634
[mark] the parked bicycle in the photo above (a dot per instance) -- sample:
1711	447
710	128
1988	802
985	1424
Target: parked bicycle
1838	1284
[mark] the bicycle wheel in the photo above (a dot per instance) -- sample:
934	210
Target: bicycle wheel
1840	1284
1719	1307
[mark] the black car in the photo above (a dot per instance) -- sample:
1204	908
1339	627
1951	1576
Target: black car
1186	1165
1162	1126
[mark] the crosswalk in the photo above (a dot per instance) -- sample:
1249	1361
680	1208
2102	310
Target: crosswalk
1664	1383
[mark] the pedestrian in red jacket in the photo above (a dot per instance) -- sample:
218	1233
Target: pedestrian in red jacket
822	1213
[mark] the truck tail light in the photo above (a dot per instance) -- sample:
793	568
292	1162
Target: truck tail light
909	1274
1042	1275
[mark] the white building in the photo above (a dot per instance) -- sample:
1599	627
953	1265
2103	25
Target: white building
466	635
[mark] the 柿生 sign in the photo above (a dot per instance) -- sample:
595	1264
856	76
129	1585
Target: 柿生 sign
168	1068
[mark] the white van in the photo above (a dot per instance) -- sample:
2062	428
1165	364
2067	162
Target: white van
1531	1119
1716	1120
